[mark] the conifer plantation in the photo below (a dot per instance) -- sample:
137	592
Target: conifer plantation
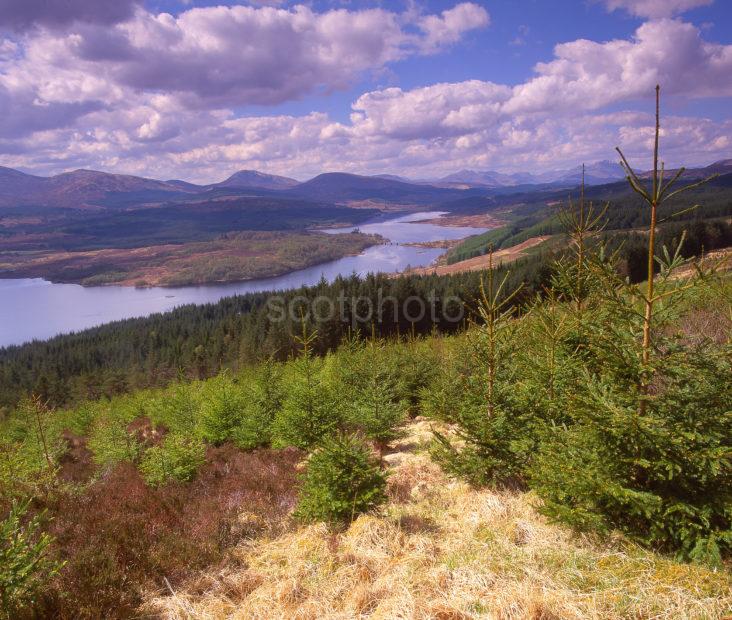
564	450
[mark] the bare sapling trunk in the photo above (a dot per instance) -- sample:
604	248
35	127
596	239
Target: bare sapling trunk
580	224
655	198
493	311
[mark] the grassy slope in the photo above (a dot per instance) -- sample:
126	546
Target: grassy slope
481	262
438	549
441	549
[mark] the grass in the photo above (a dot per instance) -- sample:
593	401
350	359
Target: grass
442	549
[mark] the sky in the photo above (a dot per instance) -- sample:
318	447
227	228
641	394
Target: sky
197	89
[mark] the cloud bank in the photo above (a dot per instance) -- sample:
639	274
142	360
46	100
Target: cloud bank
655	9
21	15
157	94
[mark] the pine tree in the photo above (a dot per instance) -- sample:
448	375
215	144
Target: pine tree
310	409
342	480
494	431
648	448
263	402
178	457
25	565
222	408
377	410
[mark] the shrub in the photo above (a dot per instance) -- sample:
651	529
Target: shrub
492	447
178	458
495	432
111	441
311	410
663	478
414	365
121	537
24	562
29	451
264	400
342	480
649	447
377	412
222	408
177	408
368	382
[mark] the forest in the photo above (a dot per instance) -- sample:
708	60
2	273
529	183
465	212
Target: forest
195	342
549	439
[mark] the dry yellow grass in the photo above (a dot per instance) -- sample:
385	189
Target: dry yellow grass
480	263
445	551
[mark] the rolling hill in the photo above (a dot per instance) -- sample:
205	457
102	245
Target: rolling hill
341	187
91	189
80	189
255	179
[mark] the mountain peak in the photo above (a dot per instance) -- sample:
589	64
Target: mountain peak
256	179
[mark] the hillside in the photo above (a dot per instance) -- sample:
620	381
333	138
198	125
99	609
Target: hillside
91	189
441	549
183	502
531	214
539	462
233	257
482	262
341	187
597	173
92	227
81	189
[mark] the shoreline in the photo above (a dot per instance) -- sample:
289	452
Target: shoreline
36	271
480	220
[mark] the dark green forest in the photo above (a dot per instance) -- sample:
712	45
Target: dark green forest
198	341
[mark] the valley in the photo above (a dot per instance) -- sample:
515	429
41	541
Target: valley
94	228
365	310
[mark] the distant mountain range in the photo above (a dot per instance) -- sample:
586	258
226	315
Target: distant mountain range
89	189
339	186
598	173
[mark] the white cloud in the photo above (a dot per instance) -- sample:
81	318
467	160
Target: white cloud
237	55
154	96
655	9
449	27
438	110
23	15
586	74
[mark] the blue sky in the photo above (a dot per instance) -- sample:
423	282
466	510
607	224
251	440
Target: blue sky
199	89
521	34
